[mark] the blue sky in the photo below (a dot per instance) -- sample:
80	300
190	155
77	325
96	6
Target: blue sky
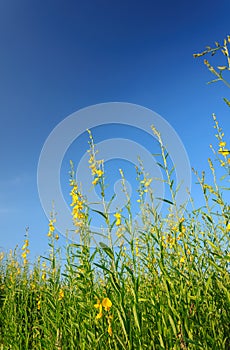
58	57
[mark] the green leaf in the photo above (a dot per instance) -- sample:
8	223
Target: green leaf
172	325
131	273
209	218
226	101
213	81
171	171
121	316
110	202
223	177
102	267
108	251
171	184
115	283
136	317
166	155
165	200
160	165
101	213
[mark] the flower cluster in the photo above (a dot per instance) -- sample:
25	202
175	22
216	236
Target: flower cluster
25	251
52	229
77	204
39	303
44	271
118	219
146	182
96	166
61	294
222	150
106	304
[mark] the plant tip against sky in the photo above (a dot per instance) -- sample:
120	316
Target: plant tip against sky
60	58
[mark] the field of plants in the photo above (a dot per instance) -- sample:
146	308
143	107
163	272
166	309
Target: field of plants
164	284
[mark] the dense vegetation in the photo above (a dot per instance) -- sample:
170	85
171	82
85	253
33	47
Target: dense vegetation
164	284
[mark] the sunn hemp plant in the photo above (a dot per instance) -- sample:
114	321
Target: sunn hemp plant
163	284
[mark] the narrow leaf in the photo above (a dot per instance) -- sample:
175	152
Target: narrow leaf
165	200
108	251
100	212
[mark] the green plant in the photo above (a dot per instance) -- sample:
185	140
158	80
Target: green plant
165	286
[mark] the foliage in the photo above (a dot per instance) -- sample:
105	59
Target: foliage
164	284
219	70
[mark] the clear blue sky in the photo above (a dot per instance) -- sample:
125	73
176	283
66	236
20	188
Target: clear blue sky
60	56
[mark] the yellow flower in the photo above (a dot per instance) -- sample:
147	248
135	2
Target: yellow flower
61	294
224	152
207	186
99	306
118	219
222	144
25	251
99	173
77	204
51	226
182	259
188	251
99	315
56	237
228	227
26	244
39	304
44	276
148	182
93	169
95	181
106	303
110	330
91	159
24	254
